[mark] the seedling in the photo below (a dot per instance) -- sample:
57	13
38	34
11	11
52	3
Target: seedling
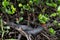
52	31
20	5
8	8
10	11
43	19
53	15
34	1
5	3
22	12
59	24
55	22
58	9
51	4
30	2
26	7
13	9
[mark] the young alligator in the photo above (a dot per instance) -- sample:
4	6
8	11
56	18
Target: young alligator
26	28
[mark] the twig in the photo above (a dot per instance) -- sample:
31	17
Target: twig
25	34
45	36
28	18
33	17
19	36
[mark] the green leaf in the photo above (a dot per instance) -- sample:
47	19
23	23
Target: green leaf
30	2
8	11
42	18
8	8
37	1
51	4
58	9
20	5
5	3
58	1
55	22
34	1
21	19
52	31
11	10
59	24
26	7
53	15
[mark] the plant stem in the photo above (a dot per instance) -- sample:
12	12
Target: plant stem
2	27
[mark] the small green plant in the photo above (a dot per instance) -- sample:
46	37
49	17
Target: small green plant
5	3
58	9
8	7
34	1
26	7
22	11
10	11
2	28
55	22
51	4
58	24
52	31
20	5
53	15
31	2
43	19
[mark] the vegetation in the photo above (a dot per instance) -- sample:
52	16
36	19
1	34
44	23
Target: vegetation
43	19
30	19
